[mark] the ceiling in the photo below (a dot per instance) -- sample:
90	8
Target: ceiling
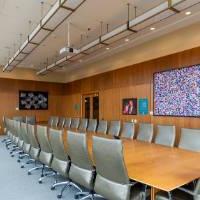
15	16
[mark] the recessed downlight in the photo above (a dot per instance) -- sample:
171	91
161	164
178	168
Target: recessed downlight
188	13
126	40
107	48
152	28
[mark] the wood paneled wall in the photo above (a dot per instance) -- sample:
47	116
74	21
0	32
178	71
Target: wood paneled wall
9	98
132	81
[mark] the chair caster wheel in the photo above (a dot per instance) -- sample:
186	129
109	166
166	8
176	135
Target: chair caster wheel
29	173
52	188
12	156
18	161
40	182
22	166
59	196
76	196
42	175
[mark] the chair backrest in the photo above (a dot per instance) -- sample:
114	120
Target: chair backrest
110	168
75	123
83	124
61	122
102	126
50	121
24	133
92	125
55	121
165	135
114	128
67	122
31	120
128	130
32	136
56	141
145	132
190	139
19	118
43	139
78	150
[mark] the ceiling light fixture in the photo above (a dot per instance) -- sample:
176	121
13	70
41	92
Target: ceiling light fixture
107	48
126	40
152	28
188	13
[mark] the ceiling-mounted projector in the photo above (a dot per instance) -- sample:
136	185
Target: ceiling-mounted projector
68	50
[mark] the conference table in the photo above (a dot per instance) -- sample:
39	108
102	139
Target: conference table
159	167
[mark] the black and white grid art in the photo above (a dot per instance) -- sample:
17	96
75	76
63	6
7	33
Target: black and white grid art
31	100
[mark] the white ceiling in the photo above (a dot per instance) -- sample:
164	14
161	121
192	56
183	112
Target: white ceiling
14	17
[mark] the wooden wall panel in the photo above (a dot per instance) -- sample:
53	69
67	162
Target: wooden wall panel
132	81
9	98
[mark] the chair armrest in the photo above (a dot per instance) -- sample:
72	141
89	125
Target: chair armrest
187	191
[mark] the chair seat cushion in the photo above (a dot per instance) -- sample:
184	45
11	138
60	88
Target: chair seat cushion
137	192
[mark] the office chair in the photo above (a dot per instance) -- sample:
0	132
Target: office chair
114	128
31	120
165	135
74	123
67	123
92	125
145	132
128	130
81	170
61	161
35	148
46	153
102	126
61	122
55	121
19	118
83	125
112	181
190	139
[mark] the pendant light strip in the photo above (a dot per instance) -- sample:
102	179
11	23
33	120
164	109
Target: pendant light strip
60	11
128	27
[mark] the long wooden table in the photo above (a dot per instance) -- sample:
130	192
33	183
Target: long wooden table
160	167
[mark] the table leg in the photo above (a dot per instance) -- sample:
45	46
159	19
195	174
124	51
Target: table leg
153	193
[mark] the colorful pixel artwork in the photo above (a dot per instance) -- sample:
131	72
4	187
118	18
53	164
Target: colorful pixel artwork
177	92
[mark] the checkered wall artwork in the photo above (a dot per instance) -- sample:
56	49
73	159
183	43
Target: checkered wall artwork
177	92
31	100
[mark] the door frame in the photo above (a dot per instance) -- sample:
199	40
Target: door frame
90	94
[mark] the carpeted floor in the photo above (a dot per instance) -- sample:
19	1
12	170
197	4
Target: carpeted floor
15	184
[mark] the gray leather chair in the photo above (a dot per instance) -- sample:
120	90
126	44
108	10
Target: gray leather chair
31	120
112	181
128	130
50	121
61	122
26	143
92	125
165	135
81	171
55	121
102	126
145	132
35	148
19	118
67	123
74	123
61	161
190	139
83	125
181	193
114	128
46	153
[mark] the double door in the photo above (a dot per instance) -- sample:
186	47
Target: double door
90	106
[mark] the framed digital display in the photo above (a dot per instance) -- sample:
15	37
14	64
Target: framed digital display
177	92
129	106
33	100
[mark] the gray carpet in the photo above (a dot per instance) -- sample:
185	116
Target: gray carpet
15	184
